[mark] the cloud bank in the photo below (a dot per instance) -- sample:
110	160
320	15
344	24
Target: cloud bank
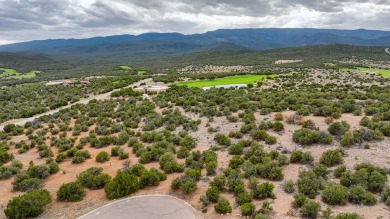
23	20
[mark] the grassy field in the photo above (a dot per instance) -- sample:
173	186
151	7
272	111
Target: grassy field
11	73
242	79
125	67
383	72
142	72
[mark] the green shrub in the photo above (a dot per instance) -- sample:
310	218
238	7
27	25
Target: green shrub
236	149
188	186
306	136
93	178
338	128
366	175
248	209
332	158
347	140
222	139
339	171
348	216
30	204
310	209
219	182
270	140
320	170
243	198
289	186
299	200
213	194
334	194
259	135
299	156
150	178
71	192
122	185
24	182
176	183
264	190
39	171
223	206
308	183
386	196
102	157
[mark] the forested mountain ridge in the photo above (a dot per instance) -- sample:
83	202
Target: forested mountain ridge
162	44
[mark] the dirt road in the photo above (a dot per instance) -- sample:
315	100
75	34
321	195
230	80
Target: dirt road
149	206
104	96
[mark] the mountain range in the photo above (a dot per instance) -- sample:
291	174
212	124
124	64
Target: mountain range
151	45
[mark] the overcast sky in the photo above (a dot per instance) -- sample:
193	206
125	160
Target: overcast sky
22	20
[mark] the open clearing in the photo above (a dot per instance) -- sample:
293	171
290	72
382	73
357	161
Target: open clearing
125	67
242	79
383	72
11	73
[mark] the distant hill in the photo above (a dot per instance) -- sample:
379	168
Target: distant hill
154	45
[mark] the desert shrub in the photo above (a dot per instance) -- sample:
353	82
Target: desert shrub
358	195
188	142
53	166
339	171
306	136
222	139
81	156
348	216
5	156
236	149
248	209
28	205
334	194
261	216
150	178
289	186
169	164
236	161
213	194
338	128
176	183
270	140
188	186
183	152
309	124
278	126
102	157
259	135
271	170
310	209
243	198
299	200
321	170
38	171
386	196
332	158
308	183
347	140
371	177
219	182
299	156
122	185
264	190
223	206
71	192
93	178
24	182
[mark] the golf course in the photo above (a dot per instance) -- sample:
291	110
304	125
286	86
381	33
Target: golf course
241	79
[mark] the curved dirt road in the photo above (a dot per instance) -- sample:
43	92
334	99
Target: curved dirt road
387	50
104	96
148	206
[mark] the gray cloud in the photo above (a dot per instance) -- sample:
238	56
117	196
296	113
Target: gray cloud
23	20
